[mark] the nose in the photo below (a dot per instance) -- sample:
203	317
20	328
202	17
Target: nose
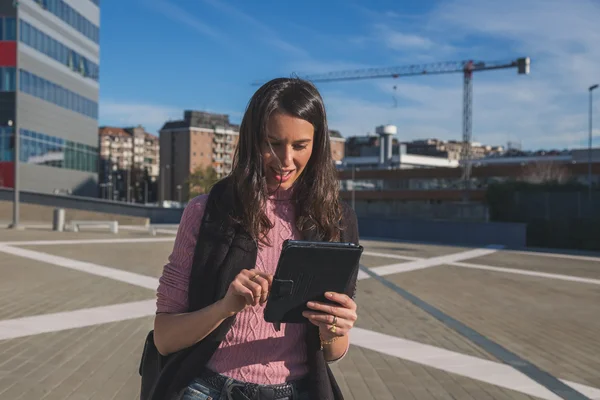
286	157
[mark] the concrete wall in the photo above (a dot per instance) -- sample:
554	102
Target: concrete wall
445	232
35	213
423	210
45	179
156	215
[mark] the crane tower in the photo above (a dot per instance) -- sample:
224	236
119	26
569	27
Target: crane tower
467	68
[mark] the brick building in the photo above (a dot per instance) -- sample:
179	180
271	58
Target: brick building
200	139
203	139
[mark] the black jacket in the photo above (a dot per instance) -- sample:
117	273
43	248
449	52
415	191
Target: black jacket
223	249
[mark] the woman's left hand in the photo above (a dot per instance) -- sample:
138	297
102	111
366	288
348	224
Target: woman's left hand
333	320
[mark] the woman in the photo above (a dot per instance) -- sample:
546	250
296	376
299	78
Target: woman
213	291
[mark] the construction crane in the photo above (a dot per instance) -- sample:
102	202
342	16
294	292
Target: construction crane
467	68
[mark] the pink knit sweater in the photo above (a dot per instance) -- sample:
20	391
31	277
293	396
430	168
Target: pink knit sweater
253	351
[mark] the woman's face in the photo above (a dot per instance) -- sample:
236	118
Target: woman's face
292	141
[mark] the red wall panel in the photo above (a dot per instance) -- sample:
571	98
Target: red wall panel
8	54
7	174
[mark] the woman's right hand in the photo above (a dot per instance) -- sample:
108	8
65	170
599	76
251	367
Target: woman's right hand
249	288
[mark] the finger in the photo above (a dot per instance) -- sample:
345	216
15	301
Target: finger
341	312
265	291
256	288
264	287
241	290
267	277
328	320
342	299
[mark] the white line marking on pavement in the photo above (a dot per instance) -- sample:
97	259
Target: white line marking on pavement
471	367
556	255
388	255
94	269
529	273
156	229
27	326
429	262
492	372
87	241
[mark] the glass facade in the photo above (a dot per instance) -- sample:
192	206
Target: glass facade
56	50
56	94
65	12
8	28
6	143
7	79
40	149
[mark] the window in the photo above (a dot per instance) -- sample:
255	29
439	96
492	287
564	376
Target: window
1	29
55	94
73	18
11	79
54	49
10	29
7	79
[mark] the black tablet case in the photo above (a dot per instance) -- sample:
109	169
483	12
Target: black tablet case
305	271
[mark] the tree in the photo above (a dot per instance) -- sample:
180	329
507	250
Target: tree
201	180
546	172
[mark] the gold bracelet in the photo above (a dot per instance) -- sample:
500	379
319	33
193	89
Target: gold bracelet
325	342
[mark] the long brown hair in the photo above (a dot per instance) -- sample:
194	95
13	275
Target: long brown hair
316	192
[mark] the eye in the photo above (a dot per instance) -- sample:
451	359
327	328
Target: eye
299	146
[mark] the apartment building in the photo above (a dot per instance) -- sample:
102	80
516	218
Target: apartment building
369	146
129	164
203	139
49	67
451	149
200	139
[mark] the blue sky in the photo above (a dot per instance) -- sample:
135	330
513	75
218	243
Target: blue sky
159	57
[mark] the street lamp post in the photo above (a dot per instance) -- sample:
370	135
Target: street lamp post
353	198
591	89
145	191
17	147
179	193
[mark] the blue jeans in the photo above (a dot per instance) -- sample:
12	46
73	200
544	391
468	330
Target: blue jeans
200	390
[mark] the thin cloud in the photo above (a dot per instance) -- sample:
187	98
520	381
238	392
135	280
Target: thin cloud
400	41
268	35
152	116
177	14
545	109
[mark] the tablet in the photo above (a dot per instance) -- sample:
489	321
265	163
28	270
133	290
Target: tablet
305	271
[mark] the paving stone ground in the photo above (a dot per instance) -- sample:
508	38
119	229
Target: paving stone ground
548	322
30	288
573	267
411	249
142	258
89	233
552	323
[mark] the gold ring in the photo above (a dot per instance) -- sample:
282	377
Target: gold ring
335	320
333	329
254	277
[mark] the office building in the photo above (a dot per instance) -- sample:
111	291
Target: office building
53	98
128	169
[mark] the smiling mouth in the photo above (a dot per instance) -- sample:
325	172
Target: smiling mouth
283	175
